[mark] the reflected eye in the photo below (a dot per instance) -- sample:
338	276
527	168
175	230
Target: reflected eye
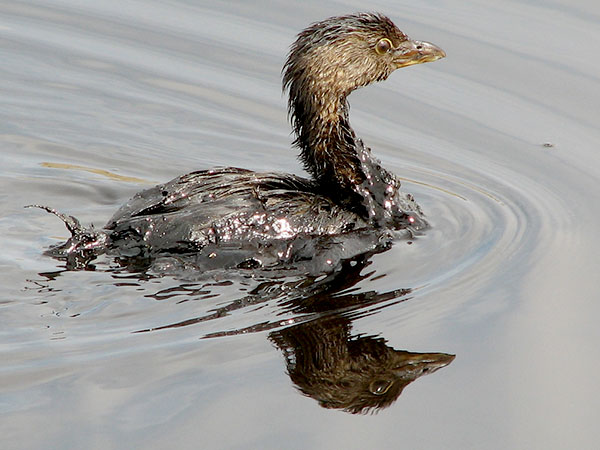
380	387
383	46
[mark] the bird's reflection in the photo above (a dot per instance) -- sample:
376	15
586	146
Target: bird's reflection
324	359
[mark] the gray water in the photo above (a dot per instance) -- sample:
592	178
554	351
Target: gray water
498	142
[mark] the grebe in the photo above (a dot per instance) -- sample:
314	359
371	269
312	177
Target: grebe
210	212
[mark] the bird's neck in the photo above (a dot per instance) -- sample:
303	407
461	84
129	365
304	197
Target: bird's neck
328	144
344	168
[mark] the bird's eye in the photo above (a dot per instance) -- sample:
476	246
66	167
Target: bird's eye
380	387
383	46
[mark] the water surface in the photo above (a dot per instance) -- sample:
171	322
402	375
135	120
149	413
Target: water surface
498	142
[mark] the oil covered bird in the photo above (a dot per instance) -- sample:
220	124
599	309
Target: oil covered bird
240	218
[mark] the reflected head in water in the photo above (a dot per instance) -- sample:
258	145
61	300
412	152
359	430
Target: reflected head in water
357	374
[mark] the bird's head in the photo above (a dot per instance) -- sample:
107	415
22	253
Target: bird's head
343	53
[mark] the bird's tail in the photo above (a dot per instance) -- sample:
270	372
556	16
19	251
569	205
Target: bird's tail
83	245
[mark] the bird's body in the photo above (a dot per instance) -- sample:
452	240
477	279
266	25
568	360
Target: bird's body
206	212
227	205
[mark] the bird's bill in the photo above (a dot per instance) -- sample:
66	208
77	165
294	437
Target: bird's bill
412	52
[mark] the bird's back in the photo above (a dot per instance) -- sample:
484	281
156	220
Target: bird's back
227	207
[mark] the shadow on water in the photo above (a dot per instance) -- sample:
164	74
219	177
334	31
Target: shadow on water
324	359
